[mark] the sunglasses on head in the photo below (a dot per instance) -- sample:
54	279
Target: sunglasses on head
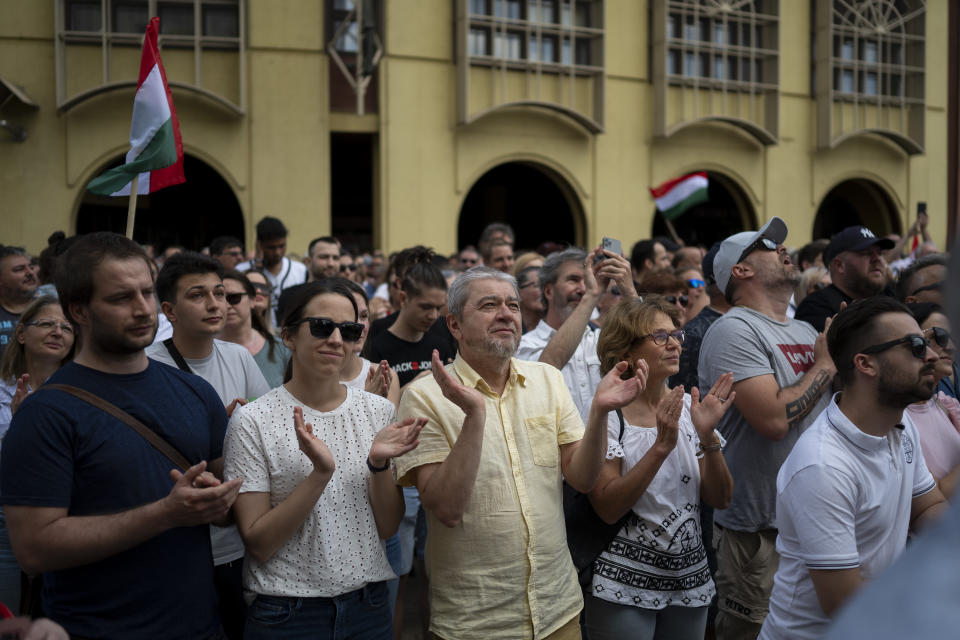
760	243
940	336
263	289
918	346
323	328
683	299
696	284
234	298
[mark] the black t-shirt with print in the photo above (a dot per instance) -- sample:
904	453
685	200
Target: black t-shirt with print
408	359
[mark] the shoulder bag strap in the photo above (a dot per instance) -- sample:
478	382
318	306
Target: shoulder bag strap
175	354
143	430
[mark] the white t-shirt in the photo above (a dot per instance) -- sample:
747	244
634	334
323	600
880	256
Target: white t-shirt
337	549
360	381
582	371
658	558
843	501
291	274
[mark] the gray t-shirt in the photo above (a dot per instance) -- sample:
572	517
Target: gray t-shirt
751	344
232	372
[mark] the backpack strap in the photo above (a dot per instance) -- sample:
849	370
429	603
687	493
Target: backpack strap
175	354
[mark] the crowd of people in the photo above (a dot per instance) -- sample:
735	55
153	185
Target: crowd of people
683	442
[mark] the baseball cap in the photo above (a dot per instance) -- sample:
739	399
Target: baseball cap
856	238
733	247
706	265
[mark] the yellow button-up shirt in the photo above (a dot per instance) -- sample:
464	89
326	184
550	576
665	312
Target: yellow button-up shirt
505	571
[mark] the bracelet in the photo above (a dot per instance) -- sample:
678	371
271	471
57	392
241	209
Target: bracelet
710	448
374	469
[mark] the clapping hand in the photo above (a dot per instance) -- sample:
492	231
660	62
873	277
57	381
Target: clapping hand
469	400
706	413
237	402
395	440
378	379
668	419
313	446
614	392
23	390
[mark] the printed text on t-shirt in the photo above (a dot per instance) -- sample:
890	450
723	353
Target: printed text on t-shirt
800	356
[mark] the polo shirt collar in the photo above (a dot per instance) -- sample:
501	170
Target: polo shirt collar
851	432
472	379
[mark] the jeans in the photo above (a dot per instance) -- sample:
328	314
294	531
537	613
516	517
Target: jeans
9	570
394	557
363	614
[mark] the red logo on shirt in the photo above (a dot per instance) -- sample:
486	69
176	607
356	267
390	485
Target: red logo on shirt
799	355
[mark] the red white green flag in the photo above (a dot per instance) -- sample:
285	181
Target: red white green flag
674	197
156	151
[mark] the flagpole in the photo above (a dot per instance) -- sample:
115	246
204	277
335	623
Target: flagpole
671	229
132	207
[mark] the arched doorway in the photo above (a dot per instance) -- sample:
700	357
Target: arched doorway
727	211
536	201
856	202
189	214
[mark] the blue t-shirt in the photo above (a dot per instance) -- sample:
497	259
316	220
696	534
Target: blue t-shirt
61	451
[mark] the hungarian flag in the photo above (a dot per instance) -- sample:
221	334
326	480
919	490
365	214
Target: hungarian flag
673	197
156	152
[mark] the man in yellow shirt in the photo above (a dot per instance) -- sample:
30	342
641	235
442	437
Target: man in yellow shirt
500	433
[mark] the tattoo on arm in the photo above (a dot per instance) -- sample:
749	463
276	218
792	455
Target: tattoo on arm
800	407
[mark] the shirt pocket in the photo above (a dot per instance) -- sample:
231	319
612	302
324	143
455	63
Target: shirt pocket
542	433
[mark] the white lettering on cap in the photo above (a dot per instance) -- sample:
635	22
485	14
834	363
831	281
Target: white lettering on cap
866	233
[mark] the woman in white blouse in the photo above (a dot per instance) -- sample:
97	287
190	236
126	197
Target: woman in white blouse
652	581
317	499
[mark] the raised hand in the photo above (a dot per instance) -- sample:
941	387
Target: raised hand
706	413
668	419
378	379
395	440
237	402
821	354
469	400
23	390
192	502
613	392
313	446
617	269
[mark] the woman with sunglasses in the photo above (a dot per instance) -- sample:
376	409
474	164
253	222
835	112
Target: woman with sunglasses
652	581
41	343
671	287
245	327
261	300
938	419
317	500
358	372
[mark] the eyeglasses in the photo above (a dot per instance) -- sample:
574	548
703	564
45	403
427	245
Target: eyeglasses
527	285
696	284
262	288
660	337
469	261
918	346
323	328
683	299
347	267
234	298
47	325
760	243
936	286
940	336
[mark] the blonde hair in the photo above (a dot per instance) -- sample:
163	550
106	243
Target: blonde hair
523	260
625	323
809	278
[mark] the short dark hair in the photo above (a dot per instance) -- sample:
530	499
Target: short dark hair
324	239
641	252
923	310
855	328
221	243
185	263
810	251
270	229
74	273
406	258
905	282
422	275
302	297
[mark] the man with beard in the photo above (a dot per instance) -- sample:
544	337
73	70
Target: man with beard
324	256
120	537
499	434
18	286
857	270
781	369
571	282
856	479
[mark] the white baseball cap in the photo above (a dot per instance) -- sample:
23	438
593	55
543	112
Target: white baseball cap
732	249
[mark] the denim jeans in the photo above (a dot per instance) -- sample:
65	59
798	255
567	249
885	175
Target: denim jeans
363	614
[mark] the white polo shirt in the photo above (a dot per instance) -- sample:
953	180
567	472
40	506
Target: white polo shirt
843	501
581	374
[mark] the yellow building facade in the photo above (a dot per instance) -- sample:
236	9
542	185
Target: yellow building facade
795	109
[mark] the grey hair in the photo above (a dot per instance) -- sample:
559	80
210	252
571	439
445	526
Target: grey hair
550	270
460	289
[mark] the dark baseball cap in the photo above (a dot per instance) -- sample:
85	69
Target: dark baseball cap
856	238
706	265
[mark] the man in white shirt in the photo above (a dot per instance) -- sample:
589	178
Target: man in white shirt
193	299
280	271
856	479
571	282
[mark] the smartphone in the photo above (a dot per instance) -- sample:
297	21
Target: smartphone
613	246
921	208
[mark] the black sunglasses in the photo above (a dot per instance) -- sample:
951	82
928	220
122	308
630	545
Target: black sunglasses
262	288
683	299
940	336
918	346
348	267
760	243
234	298
323	328
936	286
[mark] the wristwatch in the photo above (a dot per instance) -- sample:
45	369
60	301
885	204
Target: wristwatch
374	469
